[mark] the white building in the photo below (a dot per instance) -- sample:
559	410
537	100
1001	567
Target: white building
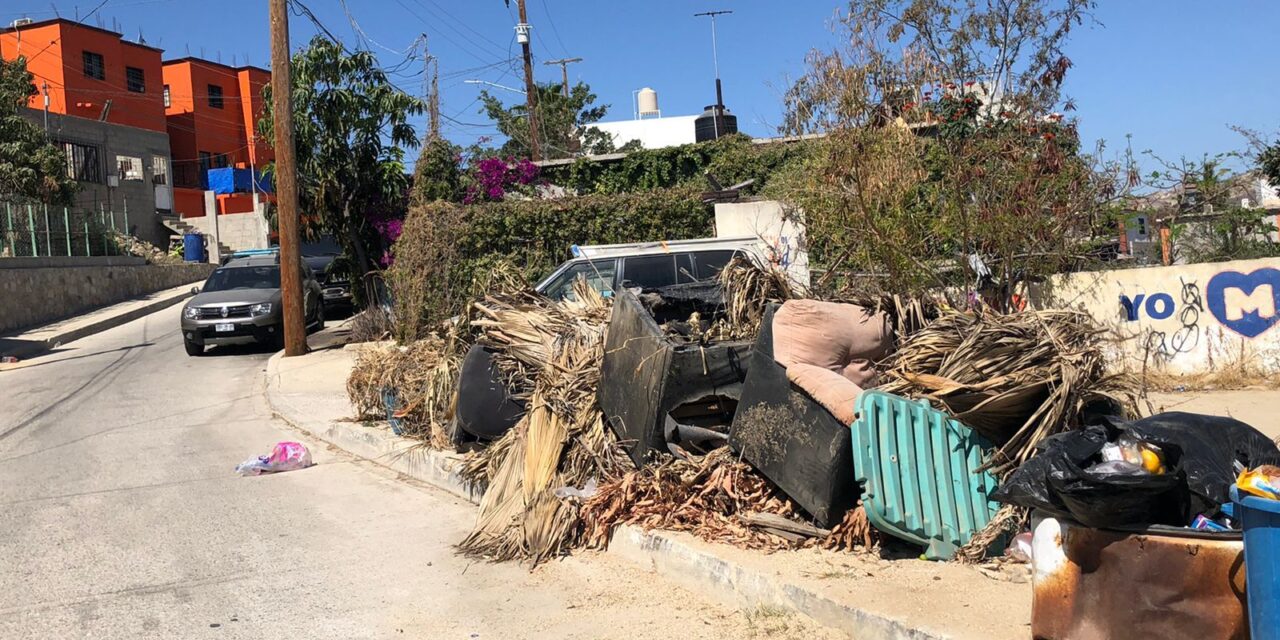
653	133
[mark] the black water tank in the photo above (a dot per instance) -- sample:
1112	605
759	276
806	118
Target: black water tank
716	121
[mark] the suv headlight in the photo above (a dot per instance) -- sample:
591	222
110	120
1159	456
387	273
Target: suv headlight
191	313
260	309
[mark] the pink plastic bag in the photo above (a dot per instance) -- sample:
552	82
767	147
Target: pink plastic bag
286	456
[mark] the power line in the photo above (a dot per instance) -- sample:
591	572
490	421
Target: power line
554	31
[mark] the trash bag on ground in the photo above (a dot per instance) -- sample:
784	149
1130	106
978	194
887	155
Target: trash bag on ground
1210	446
1070	477
286	456
1060	480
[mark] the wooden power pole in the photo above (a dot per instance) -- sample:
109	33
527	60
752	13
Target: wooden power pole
295	333
530	90
564	70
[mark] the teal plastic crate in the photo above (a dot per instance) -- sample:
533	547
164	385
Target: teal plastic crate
918	471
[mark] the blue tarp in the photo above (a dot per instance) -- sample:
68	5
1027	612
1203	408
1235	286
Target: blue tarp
229	180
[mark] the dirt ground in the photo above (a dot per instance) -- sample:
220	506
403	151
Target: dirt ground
1259	408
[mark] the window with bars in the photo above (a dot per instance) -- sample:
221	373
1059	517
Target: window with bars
94	66
83	162
159	170
167	101
135	80
215	96
130	167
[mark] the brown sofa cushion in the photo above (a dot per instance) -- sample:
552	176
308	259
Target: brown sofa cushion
830	389
842	338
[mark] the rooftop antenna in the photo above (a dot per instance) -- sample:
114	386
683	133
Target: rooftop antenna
141	38
715	60
55	10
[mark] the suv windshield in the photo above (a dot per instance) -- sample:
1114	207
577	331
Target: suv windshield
227	278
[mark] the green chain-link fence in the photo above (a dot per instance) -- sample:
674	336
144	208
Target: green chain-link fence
34	229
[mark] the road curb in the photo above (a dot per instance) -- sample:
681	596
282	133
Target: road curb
35	348
697	569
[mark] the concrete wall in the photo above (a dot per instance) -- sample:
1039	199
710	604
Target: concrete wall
782	238
236	231
137	196
35	296
1184	319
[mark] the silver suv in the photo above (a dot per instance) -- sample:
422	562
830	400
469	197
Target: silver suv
240	303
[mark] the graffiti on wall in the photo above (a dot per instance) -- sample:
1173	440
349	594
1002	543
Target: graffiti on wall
1244	303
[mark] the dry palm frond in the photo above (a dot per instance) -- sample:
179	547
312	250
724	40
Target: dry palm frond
424	376
1014	378
1008	520
551	353
747	291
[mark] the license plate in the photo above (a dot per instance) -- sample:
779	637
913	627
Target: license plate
225	326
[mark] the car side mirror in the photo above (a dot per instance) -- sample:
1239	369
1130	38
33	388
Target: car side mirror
195	290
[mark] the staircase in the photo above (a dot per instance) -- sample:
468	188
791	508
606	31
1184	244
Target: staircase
181	227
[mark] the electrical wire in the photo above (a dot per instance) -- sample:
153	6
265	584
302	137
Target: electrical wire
554	31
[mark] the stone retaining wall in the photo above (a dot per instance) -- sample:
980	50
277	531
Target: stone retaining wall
35	296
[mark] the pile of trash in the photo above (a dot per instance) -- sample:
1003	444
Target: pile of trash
741	414
132	246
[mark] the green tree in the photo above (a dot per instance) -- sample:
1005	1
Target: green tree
438	174
563	122
1269	162
30	166
351	125
946	167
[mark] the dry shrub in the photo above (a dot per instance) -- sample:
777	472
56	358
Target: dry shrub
370	325
424	375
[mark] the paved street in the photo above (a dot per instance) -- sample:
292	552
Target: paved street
121	517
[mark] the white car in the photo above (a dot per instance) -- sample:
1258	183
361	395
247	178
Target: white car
648	265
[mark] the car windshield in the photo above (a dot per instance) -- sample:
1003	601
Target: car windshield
228	278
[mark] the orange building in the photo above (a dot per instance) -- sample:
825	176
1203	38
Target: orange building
99	97
213	112
90	72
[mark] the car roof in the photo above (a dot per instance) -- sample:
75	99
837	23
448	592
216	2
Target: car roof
253	261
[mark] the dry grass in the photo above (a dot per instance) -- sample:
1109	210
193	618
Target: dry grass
704	497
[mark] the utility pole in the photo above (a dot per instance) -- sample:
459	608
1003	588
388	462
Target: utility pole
295	334
45	87
431	63
434	103
564	70
530	90
718	111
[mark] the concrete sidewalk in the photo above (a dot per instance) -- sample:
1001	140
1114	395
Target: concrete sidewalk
35	341
861	595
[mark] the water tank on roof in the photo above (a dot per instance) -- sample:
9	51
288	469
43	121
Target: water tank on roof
715	121
647	102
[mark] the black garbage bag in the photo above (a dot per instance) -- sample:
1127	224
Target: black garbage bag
1199	454
1057	480
1208	447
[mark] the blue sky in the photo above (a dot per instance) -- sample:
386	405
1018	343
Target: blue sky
1173	73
